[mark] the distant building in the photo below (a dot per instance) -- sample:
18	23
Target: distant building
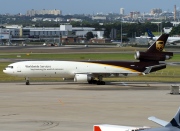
66	27
72	39
99	18
97	34
166	15
178	15
4	34
37	19
175	12
135	14
113	34
100	41
47	19
43	12
17	31
13	26
175	23
156	11
74	19
121	11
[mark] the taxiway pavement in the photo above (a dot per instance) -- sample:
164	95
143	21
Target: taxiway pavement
65	106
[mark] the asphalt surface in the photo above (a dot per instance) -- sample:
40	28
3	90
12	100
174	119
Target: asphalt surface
67	106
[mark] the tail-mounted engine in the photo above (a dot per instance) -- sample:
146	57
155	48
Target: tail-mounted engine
154	56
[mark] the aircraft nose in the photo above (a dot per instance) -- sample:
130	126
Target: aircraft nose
5	71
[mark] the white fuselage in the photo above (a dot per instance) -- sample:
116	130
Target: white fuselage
63	69
170	39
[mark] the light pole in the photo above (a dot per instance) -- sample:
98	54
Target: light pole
59	35
121	33
1	32
161	28
158	28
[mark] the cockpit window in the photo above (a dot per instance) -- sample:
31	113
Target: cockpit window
10	67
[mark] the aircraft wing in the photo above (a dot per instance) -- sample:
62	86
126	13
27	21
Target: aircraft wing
158	121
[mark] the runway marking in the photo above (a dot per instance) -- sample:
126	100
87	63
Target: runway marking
61	102
10	115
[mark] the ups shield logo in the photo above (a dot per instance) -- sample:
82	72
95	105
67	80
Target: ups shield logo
159	45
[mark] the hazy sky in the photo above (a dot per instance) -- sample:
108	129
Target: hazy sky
86	6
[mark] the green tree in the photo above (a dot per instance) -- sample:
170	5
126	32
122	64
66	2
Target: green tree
89	35
175	30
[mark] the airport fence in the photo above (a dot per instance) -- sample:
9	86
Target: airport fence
166	73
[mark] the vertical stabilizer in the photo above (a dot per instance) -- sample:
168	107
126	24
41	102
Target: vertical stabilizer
175	121
158	45
150	34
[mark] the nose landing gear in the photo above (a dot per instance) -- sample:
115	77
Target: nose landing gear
27	81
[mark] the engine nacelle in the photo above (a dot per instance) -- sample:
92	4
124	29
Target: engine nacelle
82	77
161	56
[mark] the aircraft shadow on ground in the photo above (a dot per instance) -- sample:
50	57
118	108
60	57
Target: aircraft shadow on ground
108	86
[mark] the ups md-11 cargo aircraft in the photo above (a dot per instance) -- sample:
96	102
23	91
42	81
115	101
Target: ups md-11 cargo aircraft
93	72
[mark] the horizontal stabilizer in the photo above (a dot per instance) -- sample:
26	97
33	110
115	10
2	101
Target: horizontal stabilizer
158	121
149	69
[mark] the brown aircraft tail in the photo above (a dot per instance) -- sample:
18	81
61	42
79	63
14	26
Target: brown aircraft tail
159	45
154	52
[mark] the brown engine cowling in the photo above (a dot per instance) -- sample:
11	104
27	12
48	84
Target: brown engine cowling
160	56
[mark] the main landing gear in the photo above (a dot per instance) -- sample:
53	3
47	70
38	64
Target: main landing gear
27	81
98	82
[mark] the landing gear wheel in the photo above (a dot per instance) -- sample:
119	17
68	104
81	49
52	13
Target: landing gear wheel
90	82
98	82
94	81
101	83
27	82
